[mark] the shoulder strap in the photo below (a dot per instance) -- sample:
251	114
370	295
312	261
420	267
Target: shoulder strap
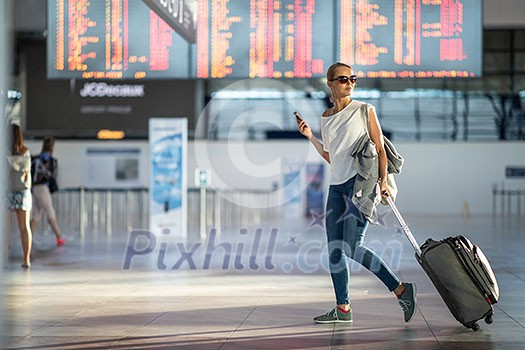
394	159
366	121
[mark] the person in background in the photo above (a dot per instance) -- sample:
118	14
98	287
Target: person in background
19	190
342	126
44	171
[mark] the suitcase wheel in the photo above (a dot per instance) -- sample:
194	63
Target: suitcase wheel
489	319
475	327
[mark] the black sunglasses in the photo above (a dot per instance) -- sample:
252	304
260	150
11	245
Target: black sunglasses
343	79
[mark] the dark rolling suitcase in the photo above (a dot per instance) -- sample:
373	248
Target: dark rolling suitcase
461	274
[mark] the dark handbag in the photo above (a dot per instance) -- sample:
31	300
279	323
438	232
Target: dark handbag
53	187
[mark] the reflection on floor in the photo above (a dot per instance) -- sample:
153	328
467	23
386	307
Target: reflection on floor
255	288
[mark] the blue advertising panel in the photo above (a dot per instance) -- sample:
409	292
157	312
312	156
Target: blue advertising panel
292	187
168	183
314	189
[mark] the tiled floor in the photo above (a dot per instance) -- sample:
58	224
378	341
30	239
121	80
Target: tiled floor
172	296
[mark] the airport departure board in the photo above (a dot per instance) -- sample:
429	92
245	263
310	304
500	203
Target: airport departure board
125	39
112	39
264	39
411	38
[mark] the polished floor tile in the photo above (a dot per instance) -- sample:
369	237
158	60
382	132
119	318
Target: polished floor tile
248	291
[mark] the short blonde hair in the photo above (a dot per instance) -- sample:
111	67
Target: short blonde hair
331	70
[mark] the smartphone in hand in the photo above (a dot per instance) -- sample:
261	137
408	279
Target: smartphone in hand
298	118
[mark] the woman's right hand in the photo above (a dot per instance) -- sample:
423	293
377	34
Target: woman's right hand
305	129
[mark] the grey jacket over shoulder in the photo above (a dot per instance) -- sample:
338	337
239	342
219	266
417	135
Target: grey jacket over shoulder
367	194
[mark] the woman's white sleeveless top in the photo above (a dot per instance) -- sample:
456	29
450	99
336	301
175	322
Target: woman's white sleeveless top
339	132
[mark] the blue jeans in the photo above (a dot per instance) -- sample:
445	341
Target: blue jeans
345	230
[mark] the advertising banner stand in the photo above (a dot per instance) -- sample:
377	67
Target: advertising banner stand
168	138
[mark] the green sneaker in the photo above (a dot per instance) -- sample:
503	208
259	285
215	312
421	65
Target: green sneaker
407	301
334	316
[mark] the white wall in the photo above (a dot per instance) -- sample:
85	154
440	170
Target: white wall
71	156
437	177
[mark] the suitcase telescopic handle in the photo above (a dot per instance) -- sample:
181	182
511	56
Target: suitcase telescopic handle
404	226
